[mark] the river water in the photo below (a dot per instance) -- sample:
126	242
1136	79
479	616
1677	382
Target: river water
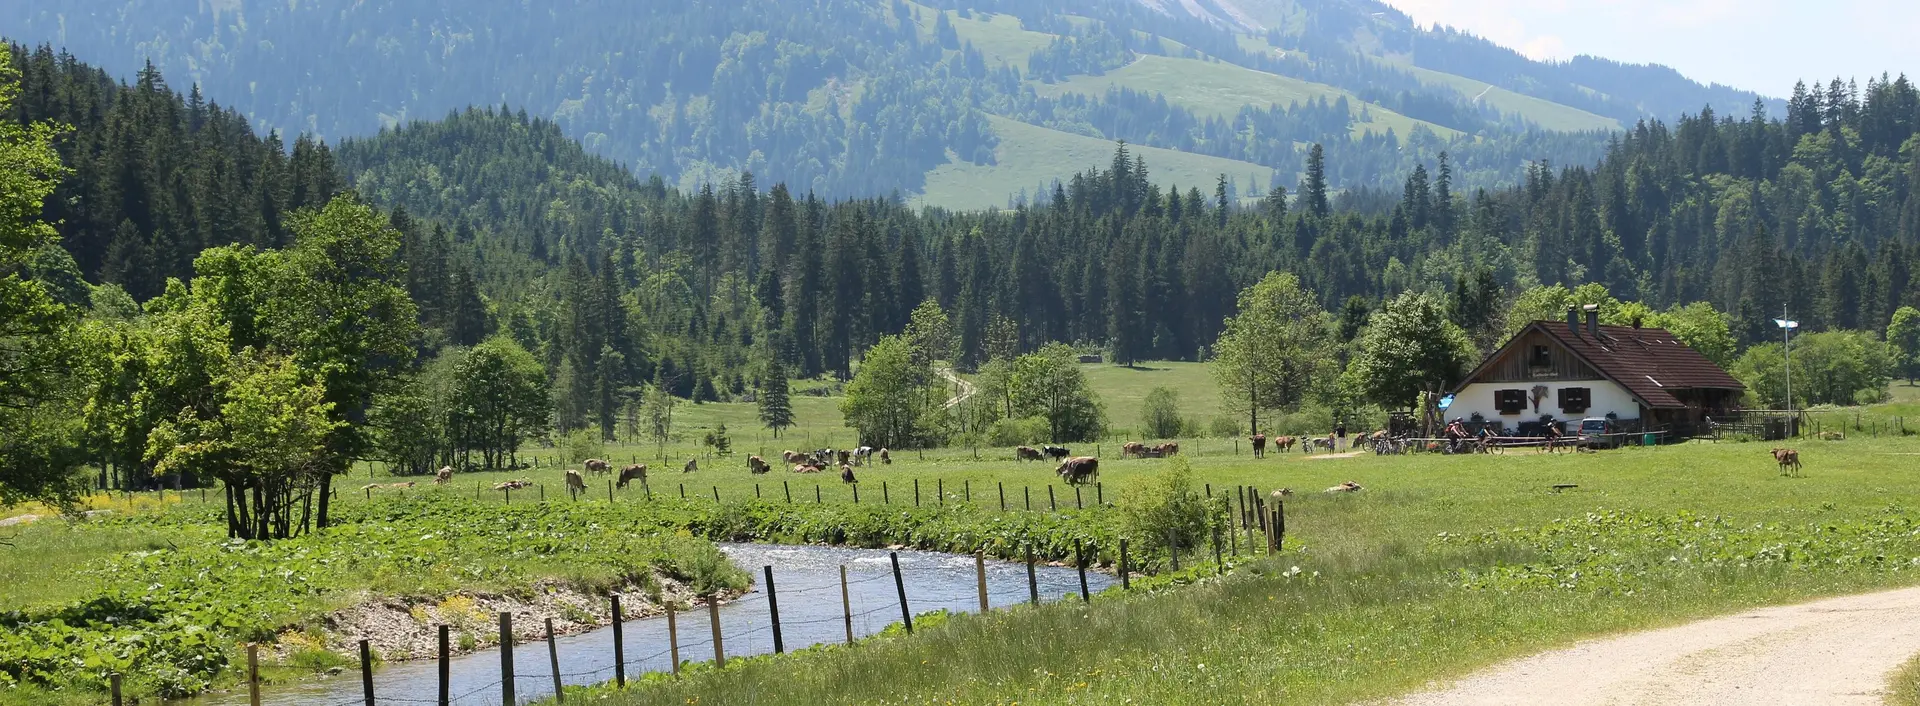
807	584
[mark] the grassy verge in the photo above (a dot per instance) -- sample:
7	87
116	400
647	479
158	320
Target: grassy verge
1443	565
1904	690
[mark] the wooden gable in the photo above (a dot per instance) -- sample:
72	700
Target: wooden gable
1535	356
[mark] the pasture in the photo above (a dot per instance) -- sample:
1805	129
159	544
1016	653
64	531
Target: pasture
1030	156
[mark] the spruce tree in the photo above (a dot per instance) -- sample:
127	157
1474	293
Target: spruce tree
776	407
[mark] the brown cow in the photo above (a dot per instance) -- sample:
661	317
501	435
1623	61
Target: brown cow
846	474
1079	469
806	468
1259	445
597	466
1132	448
1284	443
792	457
885	460
843	456
1347	487
1026	453
1168	449
444	476
631	473
755	464
513	485
693	464
1789	460
575	482
1282	494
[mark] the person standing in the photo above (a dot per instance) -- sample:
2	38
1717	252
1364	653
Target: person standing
1340	431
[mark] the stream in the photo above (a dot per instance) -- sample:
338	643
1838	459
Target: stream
807	584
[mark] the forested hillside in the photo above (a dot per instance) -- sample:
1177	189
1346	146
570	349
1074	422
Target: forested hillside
858	98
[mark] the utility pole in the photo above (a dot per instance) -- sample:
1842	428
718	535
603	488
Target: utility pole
1786	337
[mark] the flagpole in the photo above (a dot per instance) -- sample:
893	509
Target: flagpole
1786	338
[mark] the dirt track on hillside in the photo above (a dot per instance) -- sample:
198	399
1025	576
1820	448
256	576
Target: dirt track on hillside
1833	651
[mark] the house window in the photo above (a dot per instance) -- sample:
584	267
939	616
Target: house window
1510	401
1575	400
1542	358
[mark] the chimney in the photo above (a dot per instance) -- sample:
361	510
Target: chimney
1573	321
1593	319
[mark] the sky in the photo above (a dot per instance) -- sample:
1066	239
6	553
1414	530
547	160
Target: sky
1758	45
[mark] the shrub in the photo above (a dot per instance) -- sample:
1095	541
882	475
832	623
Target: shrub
584	444
1160	415
1017	432
1167	505
1224	426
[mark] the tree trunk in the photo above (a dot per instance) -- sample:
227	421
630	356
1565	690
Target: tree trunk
326	495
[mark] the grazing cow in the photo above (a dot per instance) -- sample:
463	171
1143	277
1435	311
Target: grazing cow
1789	461
792	457
631	473
861	455
846	474
1168	449
513	485
757	465
885	460
1259	445
1282	494
1055	452
444	476
1132	448
1284	443
597	466
693	464
843	456
574	482
1079	469
1347	487
1026	453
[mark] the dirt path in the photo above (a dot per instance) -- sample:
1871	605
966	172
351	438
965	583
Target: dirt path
961	388
1323	457
1833	651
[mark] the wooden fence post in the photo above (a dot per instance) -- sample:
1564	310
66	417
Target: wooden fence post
253	674
713	615
966	486
113	684
446	672
1003	495
1173	549
1126	583
1051	503
1217	561
1099	494
553	658
884	498
1033	583
1028	493
916	492
1080	562
716	495
846	603
1280	525
773	612
788	489
366	671
619	643
673	639
506	659
816	494
900	585
980	577
1076	499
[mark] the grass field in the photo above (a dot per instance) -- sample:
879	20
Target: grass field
1212	88
1000	38
1030	155
1545	113
1443	565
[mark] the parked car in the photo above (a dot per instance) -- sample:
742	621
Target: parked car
1599	433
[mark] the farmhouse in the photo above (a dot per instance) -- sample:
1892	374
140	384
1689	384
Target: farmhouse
1643	378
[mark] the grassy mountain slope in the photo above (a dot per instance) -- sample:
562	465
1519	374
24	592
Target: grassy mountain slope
1539	111
1030	156
1218	89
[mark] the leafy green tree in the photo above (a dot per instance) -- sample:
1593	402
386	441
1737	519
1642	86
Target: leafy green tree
500	400
1272	351
775	401
1048	383
1829	367
1160	413
39	432
1904	335
884	397
1701	327
1410	347
409	428
658	414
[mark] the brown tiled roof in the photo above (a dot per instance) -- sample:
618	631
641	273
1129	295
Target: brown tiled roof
1646	361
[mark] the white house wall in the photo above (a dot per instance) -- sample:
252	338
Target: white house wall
1607	397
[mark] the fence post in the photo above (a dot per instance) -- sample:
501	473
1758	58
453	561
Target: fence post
1099	494
756	491
1280	525
916	492
1003	495
900	586
980	577
773	610
939	491
1240	492
506	659
716	494
846	603
1076	499
553	658
253	674
1080	562
1028	492
713	614
885	499
446	672
683	491
673	639
966	486
1216	552
114	684
609	491
619	644
1126	584
1051	503
856	493
1033	584
366	671
816	494
788	489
